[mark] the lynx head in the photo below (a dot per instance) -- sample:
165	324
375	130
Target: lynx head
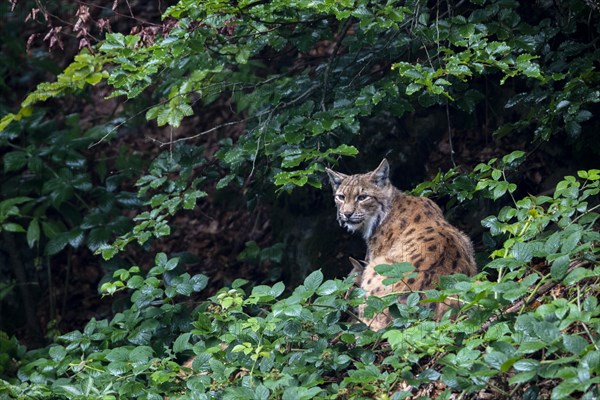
362	200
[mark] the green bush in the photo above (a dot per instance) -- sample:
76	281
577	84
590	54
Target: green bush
56	193
307	80
302	109
510	336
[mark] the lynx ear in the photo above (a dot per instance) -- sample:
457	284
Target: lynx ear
381	174
335	178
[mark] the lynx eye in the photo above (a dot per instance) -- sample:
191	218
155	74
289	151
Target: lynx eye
362	197
340	197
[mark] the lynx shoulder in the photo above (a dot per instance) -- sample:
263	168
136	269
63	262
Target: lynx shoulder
399	228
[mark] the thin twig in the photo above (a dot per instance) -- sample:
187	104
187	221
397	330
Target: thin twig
171	144
162	102
214	128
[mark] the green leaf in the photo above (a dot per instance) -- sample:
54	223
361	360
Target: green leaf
367	375
261	393
522	377
495	359
223	182
140	355
71	390
327	288
526	365
57	353
160	260
118	368
574	344
579	274
553	243
172	264
564	389
12	227
277	289
571	242
182	343
172	114
75	237
135	282
33	232
522	252
559	267
14	160
546	331
573	129
118	354
398	270
199	282
6	120
293	310
344	150
314	280
57	243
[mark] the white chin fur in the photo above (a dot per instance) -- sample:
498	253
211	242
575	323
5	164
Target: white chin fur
352	227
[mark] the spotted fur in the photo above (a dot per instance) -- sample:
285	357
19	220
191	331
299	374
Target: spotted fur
399	228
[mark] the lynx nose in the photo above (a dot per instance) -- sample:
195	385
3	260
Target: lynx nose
348	214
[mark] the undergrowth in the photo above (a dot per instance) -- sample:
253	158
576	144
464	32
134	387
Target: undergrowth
527	326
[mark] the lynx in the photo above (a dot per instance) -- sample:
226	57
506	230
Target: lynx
399	228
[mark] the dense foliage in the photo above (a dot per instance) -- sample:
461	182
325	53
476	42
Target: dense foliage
307	82
259	344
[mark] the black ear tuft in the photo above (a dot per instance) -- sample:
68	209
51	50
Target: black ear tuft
335	178
381	174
